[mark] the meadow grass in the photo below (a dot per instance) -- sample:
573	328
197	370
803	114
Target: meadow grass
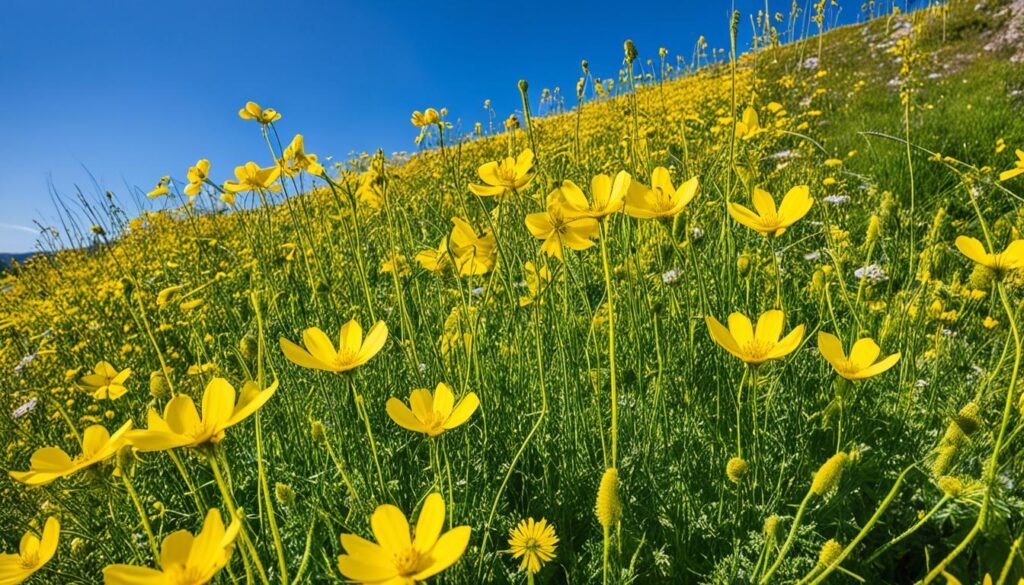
599	360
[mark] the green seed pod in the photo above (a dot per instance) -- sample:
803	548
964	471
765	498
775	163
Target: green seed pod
828	475
285	494
982	277
743	264
830	552
969	418
318	432
771	527
736	469
943	459
609	507
631	52
248	346
951	486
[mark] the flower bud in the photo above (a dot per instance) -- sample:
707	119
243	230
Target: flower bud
830	552
736	469
609	507
828	475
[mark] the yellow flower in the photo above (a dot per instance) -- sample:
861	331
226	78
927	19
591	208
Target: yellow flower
559	229
607	196
1009	259
160	189
197	175
862	362
429	117
536	282
252	111
474	254
184	559
533	542
399	558
749	126
353	351
34	552
435	260
1018	167
106	382
52	463
768	220
756	345
182	425
252	178
432	415
397	264
296	159
660	199
506	176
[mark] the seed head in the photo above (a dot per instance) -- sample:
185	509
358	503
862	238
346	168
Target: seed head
609	507
828	475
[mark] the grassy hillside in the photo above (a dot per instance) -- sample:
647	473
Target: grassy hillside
605	358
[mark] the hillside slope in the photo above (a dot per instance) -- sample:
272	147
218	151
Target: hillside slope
603	358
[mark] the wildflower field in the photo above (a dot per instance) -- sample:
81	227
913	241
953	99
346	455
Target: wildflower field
722	318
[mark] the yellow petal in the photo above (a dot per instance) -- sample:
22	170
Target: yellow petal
763	202
722	336
218	403
973	249
301	357
831	348
769	326
319	345
374	341
444	400
132	575
741	328
878	367
351	338
446	552
864	352
390	528
175	548
465	409
404	417
181	415
788	344
430	522
422	403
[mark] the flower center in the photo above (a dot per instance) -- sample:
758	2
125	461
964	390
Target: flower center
30	561
407	562
771	220
757	350
507	172
435	424
343	360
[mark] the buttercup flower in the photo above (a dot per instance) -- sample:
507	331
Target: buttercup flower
1018	167
862	361
161	188
182	426
352	352
34	552
106	382
771	221
533	542
184	559
500	178
296	159
253	111
474	254
607	196
52	463
749	126
1009	259
197	175
252	178
432	415
536	282
661	199
429	117
560	227
756	345
398	558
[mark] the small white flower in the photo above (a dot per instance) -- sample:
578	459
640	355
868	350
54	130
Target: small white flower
670	276
836	199
696	233
25	409
872	272
812	256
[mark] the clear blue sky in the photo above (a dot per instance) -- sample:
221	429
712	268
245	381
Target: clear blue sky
132	90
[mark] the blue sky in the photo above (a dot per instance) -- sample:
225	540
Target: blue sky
128	91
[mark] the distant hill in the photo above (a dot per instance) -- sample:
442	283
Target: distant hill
7	259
